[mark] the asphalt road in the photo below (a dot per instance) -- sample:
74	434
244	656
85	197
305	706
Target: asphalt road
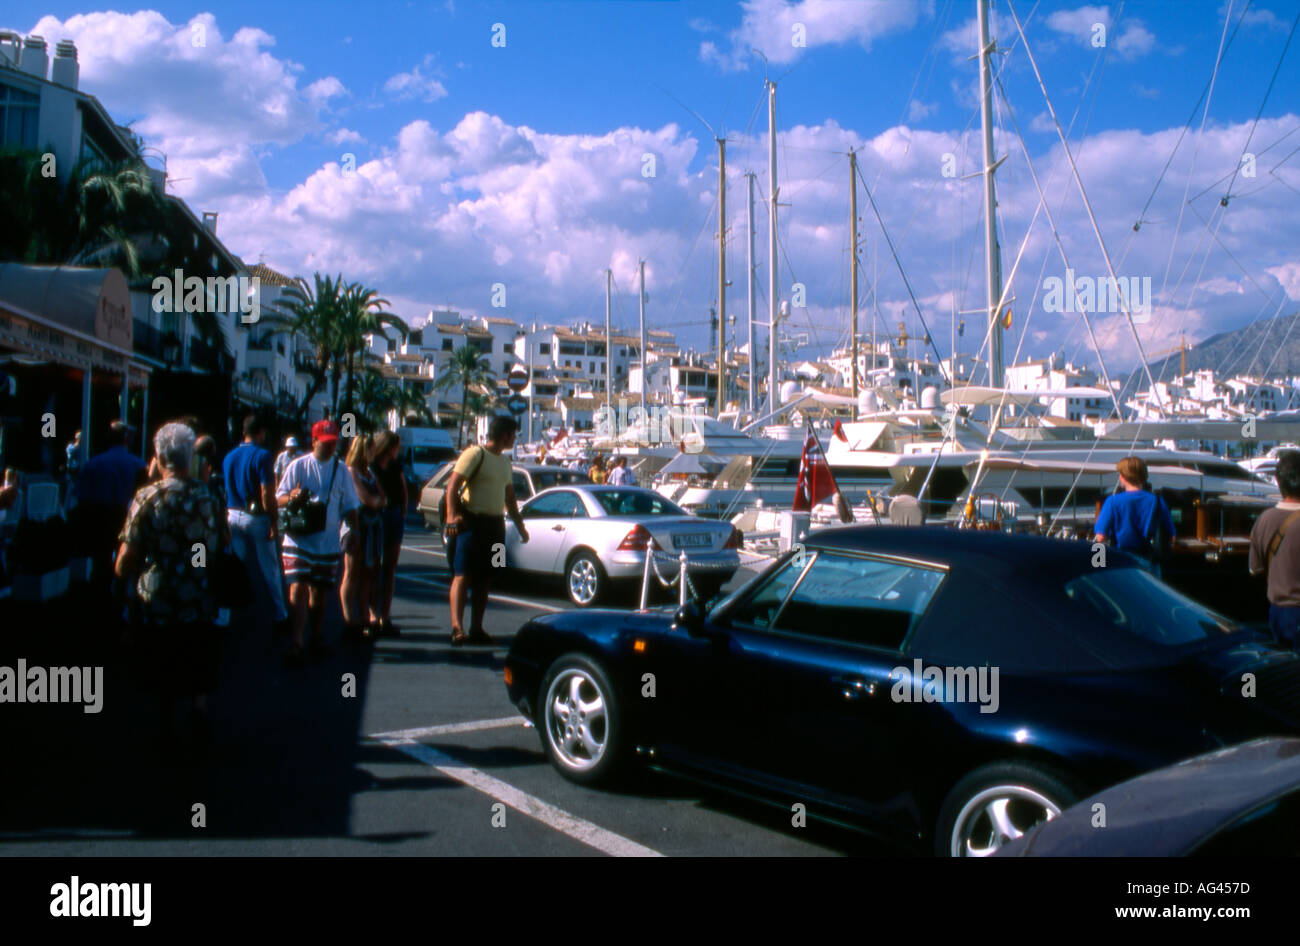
427	758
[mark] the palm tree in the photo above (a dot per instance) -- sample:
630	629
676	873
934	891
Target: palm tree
468	368
361	314
98	215
314	313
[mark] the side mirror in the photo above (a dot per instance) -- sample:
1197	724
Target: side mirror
690	617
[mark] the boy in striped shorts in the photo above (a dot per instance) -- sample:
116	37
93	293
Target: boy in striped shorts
311	561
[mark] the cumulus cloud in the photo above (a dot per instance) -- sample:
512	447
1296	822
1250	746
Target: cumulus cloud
416	84
782	29
343	136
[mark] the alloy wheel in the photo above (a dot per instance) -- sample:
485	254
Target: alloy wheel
584	581
576	721
997	816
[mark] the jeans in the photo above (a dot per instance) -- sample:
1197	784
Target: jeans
251	538
1284	622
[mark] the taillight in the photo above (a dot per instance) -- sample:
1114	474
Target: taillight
638	540
737	540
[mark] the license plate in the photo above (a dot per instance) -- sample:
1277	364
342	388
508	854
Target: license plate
692	540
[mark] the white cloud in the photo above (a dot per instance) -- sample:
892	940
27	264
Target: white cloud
416	84
771	27
343	136
918	111
322	90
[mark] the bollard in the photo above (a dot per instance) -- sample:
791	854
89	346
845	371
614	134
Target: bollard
645	579
681	579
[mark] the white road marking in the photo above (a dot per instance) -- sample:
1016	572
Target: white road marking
423	732
571	825
442	585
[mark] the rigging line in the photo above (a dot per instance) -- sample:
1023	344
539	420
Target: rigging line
1187	124
1082	192
1056	237
1196	148
1285	340
1245	272
1267	93
906	282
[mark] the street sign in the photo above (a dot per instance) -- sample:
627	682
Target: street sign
517	380
517	404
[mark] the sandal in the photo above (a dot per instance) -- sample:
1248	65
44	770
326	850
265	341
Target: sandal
459	638
480	636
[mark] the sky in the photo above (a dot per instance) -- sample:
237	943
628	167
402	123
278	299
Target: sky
436	150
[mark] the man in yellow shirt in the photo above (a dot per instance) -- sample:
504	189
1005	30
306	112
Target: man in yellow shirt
476	525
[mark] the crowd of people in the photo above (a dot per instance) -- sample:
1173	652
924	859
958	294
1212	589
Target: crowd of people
179	541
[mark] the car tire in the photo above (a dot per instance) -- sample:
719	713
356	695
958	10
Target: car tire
585	581
580	720
998	803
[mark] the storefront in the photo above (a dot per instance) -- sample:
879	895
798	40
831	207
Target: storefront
66	362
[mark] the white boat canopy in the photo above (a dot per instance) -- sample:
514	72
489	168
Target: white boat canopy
977	396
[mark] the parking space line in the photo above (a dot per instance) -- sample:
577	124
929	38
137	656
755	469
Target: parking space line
572	826
494	597
475	726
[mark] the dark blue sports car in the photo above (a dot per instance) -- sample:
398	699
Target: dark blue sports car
941	688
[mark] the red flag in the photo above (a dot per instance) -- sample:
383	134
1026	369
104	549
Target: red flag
839	431
815	484
564	432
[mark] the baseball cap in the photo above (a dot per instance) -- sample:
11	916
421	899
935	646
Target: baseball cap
325	431
291	442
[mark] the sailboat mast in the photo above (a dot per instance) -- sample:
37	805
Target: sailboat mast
853	273
773	395
609	352
645	362
722	275
991	254
753	353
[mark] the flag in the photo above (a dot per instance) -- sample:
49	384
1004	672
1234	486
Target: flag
815	484
839	432
1006	317
564	432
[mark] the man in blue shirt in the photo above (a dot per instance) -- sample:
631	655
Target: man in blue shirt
108	482
1135	519
252	513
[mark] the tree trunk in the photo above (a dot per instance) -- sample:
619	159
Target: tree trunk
464	396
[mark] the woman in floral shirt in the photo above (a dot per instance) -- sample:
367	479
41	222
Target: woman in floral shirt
172	535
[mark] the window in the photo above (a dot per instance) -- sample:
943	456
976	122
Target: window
545	348
859	600
558	505
505	348
1134	602
446	344
629	502
549	478
18	114
522	489
762	607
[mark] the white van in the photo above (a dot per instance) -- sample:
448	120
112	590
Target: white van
424	449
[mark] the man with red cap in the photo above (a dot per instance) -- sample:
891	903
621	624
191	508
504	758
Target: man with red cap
317	494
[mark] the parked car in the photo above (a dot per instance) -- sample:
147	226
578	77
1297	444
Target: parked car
940	688
596	537
528	480
1243	800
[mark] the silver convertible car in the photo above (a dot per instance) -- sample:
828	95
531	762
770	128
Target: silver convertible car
597	536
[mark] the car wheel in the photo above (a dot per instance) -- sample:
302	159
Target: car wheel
581	723
585	580
997	804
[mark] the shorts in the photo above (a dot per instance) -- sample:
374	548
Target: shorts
475	543
394	525
302	566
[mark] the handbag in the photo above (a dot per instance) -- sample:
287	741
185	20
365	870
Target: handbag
443	505
308	518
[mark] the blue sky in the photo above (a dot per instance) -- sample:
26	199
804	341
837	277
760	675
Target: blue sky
479	164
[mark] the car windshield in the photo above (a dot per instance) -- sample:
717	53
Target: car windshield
1135	602
636	502
547	479
431	454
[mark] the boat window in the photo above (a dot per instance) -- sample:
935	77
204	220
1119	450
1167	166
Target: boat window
859	600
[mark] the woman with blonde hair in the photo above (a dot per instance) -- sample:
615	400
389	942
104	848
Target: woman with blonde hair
387	468
361	563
